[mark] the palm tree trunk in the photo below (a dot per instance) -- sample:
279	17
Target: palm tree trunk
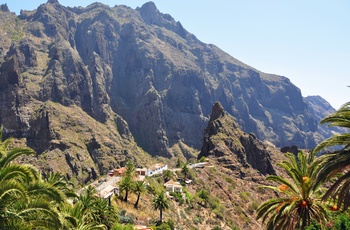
126	195
137	201
161	214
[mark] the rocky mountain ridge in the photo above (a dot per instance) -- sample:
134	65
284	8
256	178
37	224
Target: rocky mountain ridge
224	141
138	75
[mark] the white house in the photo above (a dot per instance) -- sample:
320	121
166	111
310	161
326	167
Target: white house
108	191
155	169
172	186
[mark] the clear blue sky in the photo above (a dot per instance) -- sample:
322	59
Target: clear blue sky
306	41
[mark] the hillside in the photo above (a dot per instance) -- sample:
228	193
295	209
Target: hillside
92	87
231	182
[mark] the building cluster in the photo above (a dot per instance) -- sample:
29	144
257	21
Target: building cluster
108	187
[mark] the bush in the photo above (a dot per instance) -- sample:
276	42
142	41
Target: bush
232	225
119	226
214	202
254	205
197	219
338	222
244	196
171	223
217	228
163	226
342	222
220	212
203	159
189	198
178	197
125	218
203	196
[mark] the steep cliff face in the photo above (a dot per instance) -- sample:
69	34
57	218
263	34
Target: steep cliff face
140	74
231	147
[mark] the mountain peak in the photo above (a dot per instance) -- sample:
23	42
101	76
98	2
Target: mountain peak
4	8
217	111
232	148
151	14
52	1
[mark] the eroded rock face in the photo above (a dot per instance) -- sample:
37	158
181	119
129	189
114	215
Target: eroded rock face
231	147
141	75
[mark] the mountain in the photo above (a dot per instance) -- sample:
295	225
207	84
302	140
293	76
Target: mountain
88	88
224	141
227	190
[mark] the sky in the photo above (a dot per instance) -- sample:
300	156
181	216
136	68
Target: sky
305	41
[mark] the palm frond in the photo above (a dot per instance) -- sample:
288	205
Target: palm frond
14	153
18	172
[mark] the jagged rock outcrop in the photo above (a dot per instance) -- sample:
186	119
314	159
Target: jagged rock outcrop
140	74
4	8
231	147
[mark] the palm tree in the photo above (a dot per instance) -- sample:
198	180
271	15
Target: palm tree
139	188
298	203
25	202
90	212
168	175
185	170
160	202
337	163
78	219
104	213
58	181
126	184
130	169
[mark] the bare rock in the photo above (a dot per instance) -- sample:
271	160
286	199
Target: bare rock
231	147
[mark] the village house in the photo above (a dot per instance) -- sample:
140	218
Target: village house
199	165
155	169
141	172
108	191
117	172
172	186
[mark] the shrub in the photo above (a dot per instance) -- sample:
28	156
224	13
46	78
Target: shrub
342	222
203	159
178	197
253	206
125	218
217	228
171	223
238	209
163	226
232	225
119	226
214	202
189	198
244	196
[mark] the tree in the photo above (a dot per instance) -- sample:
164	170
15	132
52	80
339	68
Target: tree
178	163
138	189
185	170
168	175
61	183
130	169
160	202
77	218
90	212
126	184
26	202
203	194
298	203
336	163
